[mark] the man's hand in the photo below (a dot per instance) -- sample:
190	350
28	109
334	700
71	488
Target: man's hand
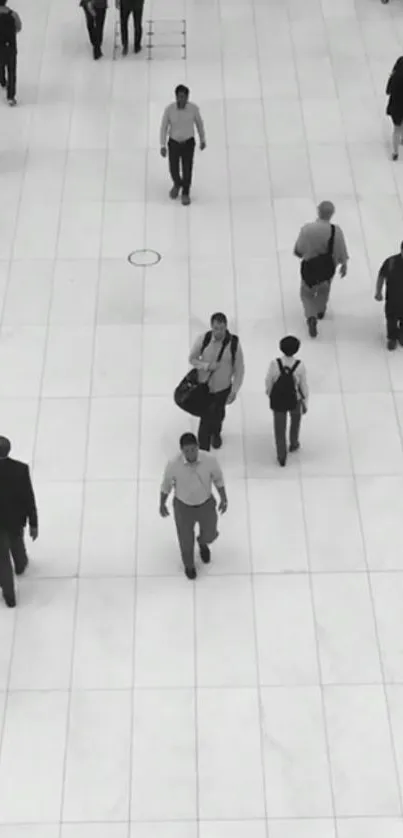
213	366
33	531
343	270
378	296
164	510
163	151
223	506
231	398
203	146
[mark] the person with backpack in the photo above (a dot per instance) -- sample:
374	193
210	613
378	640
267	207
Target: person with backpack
321	247
10	25
95	14
217	356
287	388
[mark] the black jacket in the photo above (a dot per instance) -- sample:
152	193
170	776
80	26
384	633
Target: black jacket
17	499
395	92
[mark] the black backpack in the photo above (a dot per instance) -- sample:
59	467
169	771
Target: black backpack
8	29
283	396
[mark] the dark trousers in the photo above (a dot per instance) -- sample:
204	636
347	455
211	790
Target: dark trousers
181	155
8	70
280	430
212	420
127	9
12	552
394	325
95	26
186	518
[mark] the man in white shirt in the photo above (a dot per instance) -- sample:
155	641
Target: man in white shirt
178	126
218	357
192	475
287	388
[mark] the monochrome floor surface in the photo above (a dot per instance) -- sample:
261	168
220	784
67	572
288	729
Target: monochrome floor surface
266	699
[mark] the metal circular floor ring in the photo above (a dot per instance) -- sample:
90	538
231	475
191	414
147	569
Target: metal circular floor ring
144	258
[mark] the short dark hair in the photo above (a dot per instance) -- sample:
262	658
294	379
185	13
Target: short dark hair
289	346
187	439
181	88
5	444
218	317
3	2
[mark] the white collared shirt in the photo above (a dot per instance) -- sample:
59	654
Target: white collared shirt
192	482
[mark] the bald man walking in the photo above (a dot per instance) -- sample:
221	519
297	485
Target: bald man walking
321	247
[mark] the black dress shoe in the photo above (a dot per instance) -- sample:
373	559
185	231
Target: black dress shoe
282	461
321	315
294	447
216	441
205	554
21	570
392	345
190	572
137	48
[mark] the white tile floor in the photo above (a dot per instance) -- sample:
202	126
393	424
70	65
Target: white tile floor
266	701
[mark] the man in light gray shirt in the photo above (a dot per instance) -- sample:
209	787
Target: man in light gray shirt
192	476
322	248
178	127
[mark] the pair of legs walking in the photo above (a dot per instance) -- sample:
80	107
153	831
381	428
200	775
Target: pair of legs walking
394	328
212	420
180	156
8	71
314	301
12	553
280	432
95	25
186	518
127	9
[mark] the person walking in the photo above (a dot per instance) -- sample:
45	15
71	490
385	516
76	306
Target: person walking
95	14
192	474
127	8
178	125
10	25
391	275
218	357
321	247
394	89
17	507
287	388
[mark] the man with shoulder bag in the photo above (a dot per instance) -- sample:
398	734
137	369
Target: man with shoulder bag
215	379
321	248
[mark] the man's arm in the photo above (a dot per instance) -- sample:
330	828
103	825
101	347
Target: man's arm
194	357
239	374
380	283
18	24
166	488
218	481
31	505
299	245
164	128
270	378
200	127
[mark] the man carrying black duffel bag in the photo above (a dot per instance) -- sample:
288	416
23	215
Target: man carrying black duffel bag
322	249
218	358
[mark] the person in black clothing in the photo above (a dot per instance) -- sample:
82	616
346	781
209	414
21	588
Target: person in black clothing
394	90
17	506
10	24
95	13
127	8
391	273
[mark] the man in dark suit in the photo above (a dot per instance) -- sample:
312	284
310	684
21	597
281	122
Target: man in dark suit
127	8
95	13
17	506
